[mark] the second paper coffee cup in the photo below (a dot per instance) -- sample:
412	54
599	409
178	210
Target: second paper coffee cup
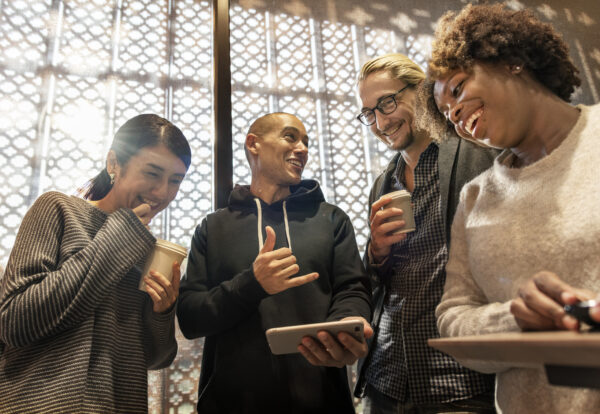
161	259
401	199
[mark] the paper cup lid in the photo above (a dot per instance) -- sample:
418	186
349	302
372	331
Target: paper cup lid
399	193
171	246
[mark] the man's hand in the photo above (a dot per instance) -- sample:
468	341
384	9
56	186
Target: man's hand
274	269
381	232
541	301
325	350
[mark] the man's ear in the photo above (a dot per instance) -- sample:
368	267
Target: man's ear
252	144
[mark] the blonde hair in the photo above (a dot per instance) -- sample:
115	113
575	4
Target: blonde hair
399	66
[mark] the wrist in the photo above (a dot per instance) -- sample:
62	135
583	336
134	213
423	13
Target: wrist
375	258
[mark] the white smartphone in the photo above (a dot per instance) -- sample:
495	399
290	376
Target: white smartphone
285	339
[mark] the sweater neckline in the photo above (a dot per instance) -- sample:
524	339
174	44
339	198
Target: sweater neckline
504	161
90	207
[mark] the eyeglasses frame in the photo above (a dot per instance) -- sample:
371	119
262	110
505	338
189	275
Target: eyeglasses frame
376	107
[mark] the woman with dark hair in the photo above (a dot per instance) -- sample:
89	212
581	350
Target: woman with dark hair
76	333
525	237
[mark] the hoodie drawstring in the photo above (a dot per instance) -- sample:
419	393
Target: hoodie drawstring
260	238
287	226
285	219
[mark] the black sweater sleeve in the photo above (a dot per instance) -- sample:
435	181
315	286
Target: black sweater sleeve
206	308
351	285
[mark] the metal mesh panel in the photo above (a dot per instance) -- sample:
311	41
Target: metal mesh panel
24	31
76	133
143	39
71	73
85	36
19	100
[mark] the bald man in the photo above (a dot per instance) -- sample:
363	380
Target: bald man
278	255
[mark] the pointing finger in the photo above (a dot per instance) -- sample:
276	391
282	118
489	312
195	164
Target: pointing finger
301	280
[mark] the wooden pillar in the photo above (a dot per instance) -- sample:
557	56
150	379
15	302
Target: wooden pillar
222	152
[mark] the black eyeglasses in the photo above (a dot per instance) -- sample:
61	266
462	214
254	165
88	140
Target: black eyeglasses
386	105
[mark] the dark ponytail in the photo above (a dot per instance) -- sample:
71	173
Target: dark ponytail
146	130
98	187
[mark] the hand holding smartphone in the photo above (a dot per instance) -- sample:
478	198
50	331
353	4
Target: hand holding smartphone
581	312
285	340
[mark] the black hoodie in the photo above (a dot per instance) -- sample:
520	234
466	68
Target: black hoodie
221	300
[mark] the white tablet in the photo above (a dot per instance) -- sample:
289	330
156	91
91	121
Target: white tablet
285	340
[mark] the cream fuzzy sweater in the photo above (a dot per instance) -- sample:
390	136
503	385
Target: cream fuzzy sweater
510	224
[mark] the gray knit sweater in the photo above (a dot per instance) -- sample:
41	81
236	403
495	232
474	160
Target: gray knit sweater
76	334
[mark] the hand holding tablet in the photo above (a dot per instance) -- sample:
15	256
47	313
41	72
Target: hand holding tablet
285	340
330	344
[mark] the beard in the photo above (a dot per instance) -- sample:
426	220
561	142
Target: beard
405	142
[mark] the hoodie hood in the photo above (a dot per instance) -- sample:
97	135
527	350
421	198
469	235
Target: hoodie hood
306	193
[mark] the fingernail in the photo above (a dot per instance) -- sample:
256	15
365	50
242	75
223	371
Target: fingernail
569	320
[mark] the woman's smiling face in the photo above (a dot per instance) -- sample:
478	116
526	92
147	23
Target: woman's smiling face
485	104
152	176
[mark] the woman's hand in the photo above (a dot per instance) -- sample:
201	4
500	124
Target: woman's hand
541	301
163	293
143	212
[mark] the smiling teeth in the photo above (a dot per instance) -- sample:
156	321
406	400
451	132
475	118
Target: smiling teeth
475	116
387	134
150	203
296	163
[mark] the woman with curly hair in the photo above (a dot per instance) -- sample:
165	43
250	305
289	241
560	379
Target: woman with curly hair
526	235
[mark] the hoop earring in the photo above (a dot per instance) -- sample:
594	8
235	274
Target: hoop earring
112	178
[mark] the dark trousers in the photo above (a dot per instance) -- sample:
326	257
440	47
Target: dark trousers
376	402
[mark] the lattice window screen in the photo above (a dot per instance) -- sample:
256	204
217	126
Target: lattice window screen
71	72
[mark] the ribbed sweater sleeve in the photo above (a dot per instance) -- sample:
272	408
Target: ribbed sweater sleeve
160	344
464	308
41	296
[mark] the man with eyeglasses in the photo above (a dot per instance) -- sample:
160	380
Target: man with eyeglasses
401	373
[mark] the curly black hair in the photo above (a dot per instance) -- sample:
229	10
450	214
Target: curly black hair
492	33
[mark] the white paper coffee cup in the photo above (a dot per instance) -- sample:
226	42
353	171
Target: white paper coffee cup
161	259
401	199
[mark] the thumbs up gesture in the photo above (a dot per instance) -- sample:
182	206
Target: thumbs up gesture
274	269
